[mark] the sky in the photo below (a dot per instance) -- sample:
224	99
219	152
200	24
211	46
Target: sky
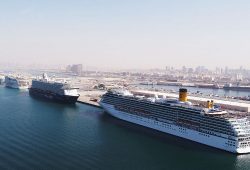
126	33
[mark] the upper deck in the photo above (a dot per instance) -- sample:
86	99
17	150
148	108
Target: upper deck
225	104
163	98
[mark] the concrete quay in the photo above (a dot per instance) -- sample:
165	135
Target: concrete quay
90	97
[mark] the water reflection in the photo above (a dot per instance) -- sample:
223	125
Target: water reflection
242	162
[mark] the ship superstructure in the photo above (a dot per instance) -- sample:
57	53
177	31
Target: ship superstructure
53	90
16	82
209	125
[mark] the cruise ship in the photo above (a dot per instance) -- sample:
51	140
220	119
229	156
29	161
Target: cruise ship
209	124
16	82
53	90
1	79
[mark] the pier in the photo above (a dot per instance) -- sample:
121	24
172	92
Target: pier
91	97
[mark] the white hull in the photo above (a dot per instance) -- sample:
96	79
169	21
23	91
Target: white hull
203	138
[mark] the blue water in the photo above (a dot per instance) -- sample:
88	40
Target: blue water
40	135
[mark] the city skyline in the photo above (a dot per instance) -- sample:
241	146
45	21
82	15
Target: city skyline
126	35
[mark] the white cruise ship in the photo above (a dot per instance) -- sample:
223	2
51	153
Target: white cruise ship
227	130
16	82
1	79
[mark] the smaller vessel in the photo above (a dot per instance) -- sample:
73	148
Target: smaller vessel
16	82
208	86
53	90
1	80
169	83
236	87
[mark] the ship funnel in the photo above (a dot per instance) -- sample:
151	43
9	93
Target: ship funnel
183	95
210	104
45	77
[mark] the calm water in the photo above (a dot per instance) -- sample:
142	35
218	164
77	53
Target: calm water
40	135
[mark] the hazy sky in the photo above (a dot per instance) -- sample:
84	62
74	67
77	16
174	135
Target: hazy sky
126	33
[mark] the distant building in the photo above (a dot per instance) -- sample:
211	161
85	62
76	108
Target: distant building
184	69
200	69
239	77
226	70
68	68
76	69
190	70
218	70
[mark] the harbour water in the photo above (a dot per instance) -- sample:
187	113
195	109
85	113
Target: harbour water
36	134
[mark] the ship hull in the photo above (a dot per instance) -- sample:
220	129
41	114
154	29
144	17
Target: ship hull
237	88
208	87
16	87
196	136
52	96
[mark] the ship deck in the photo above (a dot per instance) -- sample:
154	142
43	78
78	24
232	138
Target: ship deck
225	104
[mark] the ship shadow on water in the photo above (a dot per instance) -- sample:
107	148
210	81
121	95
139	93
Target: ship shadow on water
169	139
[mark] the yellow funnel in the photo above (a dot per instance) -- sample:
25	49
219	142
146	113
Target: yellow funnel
183	95
210	104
